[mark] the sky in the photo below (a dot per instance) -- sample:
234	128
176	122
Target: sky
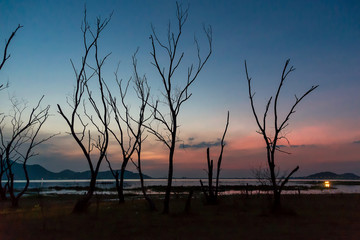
320	37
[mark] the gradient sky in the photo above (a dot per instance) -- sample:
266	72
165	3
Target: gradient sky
320	37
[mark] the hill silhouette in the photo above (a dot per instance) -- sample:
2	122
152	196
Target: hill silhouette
331	175
37	172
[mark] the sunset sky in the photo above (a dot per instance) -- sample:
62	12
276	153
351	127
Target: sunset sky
322	39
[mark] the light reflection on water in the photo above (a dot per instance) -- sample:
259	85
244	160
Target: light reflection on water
47	186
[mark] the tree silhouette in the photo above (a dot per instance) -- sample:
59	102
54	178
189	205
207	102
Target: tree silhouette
174	96
138	167
6	56
211	195
18	143
272	141
19	137
3	189
130	129
80	130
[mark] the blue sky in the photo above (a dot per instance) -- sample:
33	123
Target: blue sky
320	37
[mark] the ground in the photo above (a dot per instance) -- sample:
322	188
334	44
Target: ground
335	216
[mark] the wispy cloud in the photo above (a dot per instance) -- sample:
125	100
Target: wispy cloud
201	144
357	142
303	145
297	146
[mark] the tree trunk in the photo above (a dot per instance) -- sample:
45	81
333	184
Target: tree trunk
277	201
276	190
15	202
121	185
83	203
118	189
15	199
188	201
2	189
2	192
150	202
212	197
3	195
170	176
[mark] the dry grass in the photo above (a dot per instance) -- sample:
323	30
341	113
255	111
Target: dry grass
236	217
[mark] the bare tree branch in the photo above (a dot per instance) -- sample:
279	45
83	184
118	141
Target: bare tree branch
101	139
6	56
19	144
211	195
174	97
128	127
272	142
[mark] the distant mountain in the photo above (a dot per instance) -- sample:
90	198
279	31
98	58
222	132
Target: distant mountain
37	172
331	175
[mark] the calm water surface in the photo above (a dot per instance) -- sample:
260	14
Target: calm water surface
107	184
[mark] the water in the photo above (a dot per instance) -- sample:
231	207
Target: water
62	186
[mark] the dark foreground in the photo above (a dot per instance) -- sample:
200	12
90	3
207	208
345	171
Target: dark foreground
236	217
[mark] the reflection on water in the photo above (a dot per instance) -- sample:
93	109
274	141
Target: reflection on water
106	185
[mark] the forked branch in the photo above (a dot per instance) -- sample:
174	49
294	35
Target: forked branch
6	56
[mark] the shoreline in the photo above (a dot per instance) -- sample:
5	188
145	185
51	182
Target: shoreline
106	188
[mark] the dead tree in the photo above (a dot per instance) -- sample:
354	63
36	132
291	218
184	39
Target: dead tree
129	129
92	134
263	176
6	56
18	145
141	176
143	93
211	195
174	96
272	141
3	188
